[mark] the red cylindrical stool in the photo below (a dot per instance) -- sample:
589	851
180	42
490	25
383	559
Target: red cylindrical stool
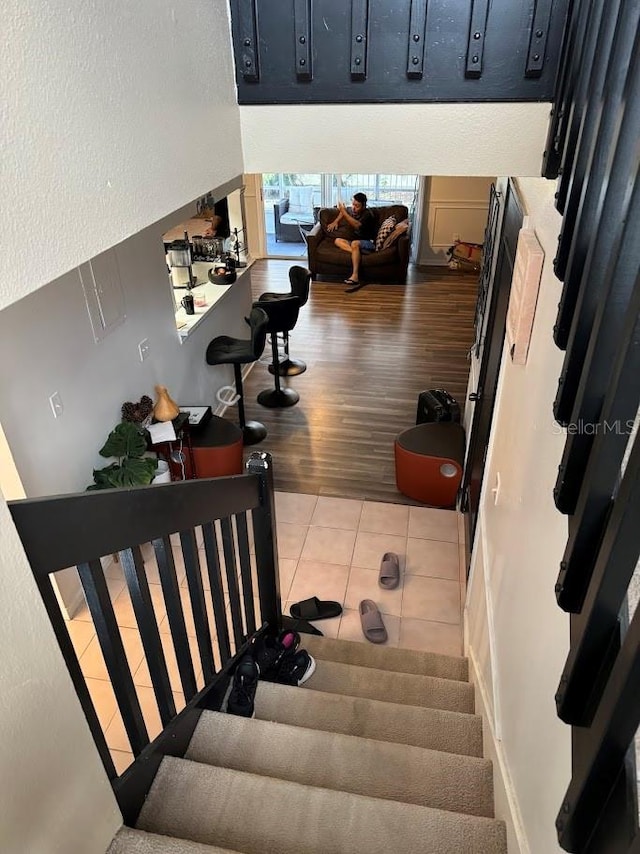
429	461
217	448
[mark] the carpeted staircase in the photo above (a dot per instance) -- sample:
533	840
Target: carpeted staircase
378	753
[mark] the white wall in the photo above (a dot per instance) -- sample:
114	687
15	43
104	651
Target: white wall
421	139
54	795
514	618
114	115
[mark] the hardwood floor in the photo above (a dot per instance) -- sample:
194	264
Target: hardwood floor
368	356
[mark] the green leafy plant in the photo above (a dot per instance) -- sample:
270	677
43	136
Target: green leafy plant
127	444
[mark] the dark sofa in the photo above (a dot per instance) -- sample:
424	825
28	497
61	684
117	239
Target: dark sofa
388	265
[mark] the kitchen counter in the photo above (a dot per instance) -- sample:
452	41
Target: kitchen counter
203	290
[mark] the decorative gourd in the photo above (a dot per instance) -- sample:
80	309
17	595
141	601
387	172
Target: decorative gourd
165	409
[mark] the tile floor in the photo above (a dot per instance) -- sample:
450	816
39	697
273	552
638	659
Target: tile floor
329	548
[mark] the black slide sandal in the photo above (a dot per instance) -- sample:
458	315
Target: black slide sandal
315	609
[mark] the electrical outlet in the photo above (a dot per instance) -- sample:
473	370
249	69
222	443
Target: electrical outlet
55	401
143	349
456	237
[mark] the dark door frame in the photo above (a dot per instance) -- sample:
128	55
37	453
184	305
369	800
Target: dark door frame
484	394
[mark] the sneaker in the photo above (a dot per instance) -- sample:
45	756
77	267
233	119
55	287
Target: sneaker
296	668
269	651
245	681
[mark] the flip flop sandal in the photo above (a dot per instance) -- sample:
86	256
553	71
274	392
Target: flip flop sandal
315	609
371	621
300	626
389	576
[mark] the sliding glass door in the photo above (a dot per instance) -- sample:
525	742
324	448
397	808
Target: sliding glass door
291	202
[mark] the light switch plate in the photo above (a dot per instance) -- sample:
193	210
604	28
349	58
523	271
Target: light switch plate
143	349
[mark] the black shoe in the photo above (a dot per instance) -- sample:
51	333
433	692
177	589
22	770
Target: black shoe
269	651
355	286
245	681
296	668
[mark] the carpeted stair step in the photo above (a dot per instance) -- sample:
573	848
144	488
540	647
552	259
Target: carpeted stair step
129	841
361	766
387	658
436	729
262	815
403	688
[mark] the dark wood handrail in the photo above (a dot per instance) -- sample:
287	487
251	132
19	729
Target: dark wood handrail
62	531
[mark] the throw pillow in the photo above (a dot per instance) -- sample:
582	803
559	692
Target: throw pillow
384	231
401	228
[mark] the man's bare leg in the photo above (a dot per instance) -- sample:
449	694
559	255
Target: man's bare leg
355	260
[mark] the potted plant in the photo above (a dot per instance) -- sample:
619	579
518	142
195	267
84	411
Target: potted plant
127	445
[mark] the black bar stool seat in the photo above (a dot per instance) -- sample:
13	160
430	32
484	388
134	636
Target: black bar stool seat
225	350
300	279
282	314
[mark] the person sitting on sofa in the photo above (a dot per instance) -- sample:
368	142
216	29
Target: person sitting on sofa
364	222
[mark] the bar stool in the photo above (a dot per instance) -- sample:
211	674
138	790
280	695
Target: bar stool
225	350
300	279
282	314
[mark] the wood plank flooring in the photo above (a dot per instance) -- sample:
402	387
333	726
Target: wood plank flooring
368	356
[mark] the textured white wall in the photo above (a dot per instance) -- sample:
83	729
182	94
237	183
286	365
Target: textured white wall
524	539
54	795
114	115
422	139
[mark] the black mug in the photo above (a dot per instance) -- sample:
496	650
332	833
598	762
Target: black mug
187	304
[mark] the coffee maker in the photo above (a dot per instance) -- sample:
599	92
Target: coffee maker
179	261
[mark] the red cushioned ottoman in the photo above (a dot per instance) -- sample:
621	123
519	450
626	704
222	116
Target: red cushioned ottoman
429	460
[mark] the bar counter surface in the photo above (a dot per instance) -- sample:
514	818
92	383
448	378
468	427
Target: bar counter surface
203	290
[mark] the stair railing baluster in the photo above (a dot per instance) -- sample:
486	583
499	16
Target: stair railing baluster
198	607
245	572
175	615
232	581
266	542
115	658
217	591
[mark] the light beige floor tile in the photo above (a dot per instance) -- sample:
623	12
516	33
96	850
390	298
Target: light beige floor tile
116	735
432	524
329	628
121	759
115	587
92	663
324	580
461	527
337	513
433	558
370	548
351	628
380	518
81	634
163	625
123	607
287	571
290	540
329	545
363	584
104	700
112	568
142	676
436	599
444	638
295	508
151	566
